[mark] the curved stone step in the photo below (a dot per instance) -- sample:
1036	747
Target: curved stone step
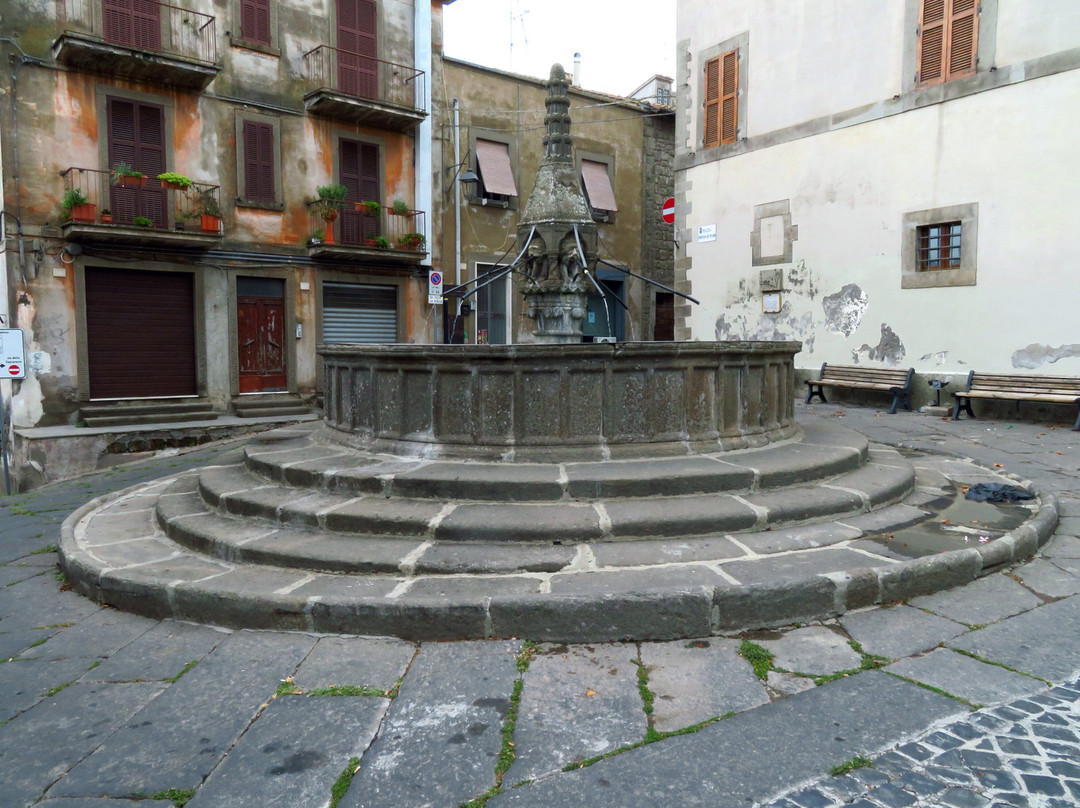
821	451
114	552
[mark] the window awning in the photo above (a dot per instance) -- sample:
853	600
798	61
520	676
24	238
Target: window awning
598	185
494	162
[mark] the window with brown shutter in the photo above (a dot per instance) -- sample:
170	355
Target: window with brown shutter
137	138
258	162
721	99
255	21
948	40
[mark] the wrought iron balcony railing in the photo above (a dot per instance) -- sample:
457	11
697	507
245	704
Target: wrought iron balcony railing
338	76
141	203
144	25
351	224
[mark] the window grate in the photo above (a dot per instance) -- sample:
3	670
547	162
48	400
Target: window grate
938	246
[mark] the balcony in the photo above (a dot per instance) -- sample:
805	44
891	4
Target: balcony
146	215
140	40
364	90
349	230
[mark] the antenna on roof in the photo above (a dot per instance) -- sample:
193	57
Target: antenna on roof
517	18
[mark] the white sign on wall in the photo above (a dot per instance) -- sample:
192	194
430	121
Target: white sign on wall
706	232
434	289
12	356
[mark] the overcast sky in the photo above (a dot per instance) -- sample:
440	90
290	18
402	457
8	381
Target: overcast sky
622	44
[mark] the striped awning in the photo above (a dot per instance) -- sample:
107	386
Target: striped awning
598	185
493	160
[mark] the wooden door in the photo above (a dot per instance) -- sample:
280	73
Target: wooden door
137	137
357	50
140	332
260	326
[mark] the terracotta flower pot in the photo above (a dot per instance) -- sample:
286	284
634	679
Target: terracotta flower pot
83	213
210	224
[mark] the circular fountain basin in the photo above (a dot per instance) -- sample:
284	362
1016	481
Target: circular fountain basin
560	402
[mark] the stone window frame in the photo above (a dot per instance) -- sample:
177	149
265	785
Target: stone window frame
768	210
279	192
986	48
598	214
740	43
237	41
911	276
472	194
107	91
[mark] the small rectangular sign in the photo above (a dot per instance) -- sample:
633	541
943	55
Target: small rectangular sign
12	354
434	289
706	232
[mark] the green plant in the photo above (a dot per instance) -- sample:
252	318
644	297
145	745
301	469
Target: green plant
373	208
758	657
122	170
857	762
207	203
341	785
335	191
106	212
411	241
73	197
142	221
382	242
400	208
173	178
318	235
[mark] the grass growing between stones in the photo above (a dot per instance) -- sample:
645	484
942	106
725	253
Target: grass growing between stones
179	796
1009	668
652	737
507	755
758	657
851	764
341	785
970	704
174	679
52	691
349	690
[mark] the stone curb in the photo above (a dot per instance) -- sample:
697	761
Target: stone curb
637	613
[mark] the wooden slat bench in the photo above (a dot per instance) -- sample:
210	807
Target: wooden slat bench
857	377
1017	387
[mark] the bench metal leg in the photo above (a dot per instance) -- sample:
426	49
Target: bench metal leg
818	392
1076	426
900	396
962	405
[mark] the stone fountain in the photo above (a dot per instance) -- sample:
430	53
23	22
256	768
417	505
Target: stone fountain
557	491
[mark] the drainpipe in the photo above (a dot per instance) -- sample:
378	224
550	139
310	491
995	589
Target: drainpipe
422	60
457	196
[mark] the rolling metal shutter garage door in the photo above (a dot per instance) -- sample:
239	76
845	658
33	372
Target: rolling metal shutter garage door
140	333
355	312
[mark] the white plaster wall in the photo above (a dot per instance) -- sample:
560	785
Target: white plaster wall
849	190
1028	29
801	54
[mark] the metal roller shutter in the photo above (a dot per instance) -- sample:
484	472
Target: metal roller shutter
355	312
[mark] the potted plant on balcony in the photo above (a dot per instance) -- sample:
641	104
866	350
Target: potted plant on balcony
316	238
142	221
369	208
411	241
382	242
76	206
174	181
106	216
327	204
209	211
400	208
127	177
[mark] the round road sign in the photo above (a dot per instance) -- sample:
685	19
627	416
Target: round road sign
669	210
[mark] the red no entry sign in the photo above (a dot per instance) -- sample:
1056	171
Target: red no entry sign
669	210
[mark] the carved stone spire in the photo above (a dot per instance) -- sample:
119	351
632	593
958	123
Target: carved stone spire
558	144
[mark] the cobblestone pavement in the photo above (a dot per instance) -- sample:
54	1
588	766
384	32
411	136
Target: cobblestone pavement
965	697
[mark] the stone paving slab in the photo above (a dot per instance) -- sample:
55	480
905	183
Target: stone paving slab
1043	642
369	661
14	642
1050	579
435	718
813	650
980	602
35	602
103	802
899	631
159	653
797	567
26	682
293	753
749	756
41	745
640	553
697	680
99	635
178	739
802	537
967	678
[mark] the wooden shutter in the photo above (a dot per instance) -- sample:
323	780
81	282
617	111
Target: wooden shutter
359	169
729	96
137	137
255	21
146	24
712	103
117	21
358	52
963	38
258	161
948	39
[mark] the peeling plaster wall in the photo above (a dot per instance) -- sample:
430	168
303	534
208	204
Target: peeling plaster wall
848	191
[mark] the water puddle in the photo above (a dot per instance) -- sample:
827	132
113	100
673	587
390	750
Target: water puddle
963	524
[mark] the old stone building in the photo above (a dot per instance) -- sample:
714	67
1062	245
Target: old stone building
891	185
489	127
145	301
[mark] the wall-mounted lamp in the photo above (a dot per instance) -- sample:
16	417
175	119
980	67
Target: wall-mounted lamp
468	175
